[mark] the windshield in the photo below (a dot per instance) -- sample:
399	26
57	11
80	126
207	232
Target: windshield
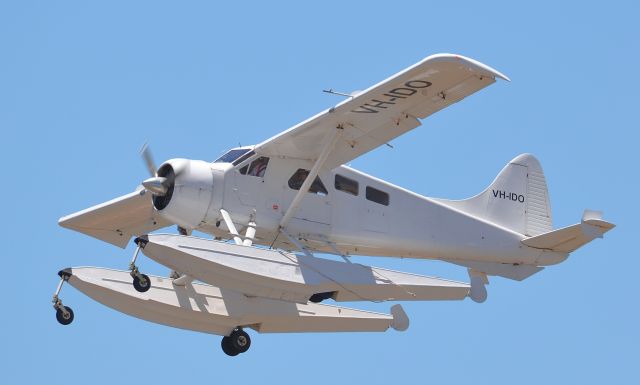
232	155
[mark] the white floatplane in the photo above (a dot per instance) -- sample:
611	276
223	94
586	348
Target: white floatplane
270	207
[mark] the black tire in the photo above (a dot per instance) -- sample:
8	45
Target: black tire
61	318
240	340
227	348
139	286
319	297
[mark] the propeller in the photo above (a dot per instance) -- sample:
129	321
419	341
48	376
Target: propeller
157	185
160	186
148	159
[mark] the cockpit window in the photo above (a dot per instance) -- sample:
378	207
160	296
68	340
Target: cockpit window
232	156
297	179
243	158
257	168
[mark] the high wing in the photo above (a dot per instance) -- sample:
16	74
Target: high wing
118	220
384	111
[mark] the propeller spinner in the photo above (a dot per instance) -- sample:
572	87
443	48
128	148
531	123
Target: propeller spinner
157	185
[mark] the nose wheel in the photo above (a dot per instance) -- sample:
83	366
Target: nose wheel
141	282
64	314
235	343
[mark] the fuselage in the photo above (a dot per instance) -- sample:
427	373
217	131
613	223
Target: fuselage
350	211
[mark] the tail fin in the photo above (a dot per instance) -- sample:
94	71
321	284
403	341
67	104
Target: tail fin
517	199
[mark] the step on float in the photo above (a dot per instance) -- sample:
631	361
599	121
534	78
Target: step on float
286	276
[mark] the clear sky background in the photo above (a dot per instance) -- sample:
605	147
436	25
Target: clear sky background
84	84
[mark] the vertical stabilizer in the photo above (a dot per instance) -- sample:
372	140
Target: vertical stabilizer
517	199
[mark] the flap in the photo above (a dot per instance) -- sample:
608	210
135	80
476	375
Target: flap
117	220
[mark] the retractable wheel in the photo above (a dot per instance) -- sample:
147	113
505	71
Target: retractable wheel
240	340
64	317
235	343
141	283
319	297
227	348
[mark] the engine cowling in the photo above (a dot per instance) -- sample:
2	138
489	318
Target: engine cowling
189	191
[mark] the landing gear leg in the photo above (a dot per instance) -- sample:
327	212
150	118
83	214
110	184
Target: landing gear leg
64	314
141	282
235	343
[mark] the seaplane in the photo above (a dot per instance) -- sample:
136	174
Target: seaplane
269	211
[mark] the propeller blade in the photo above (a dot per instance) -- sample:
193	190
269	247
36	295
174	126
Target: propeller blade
157	185
148	160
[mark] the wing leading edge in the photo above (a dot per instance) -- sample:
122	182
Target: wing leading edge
385	110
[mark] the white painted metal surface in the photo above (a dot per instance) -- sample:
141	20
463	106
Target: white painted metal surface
286	276
385	110
215	310
488	233
117	220
506	230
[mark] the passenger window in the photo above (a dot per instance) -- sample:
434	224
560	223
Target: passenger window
298	178
377	196
258	167
345	184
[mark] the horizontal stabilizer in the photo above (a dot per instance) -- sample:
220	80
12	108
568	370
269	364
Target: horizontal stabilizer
117	220
573	237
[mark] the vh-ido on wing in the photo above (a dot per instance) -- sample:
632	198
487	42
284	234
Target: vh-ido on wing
384	111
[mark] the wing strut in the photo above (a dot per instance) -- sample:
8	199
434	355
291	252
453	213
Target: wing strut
329	143
298	244
231	226
335	250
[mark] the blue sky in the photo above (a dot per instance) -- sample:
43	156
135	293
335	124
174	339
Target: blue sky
84	84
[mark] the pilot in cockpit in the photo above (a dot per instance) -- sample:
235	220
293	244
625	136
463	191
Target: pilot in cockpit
258	167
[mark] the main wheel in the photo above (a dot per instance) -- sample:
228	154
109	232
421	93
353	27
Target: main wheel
240	340
62	318
227	348
141	286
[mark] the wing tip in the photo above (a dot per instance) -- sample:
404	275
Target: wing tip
64	221
470	62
